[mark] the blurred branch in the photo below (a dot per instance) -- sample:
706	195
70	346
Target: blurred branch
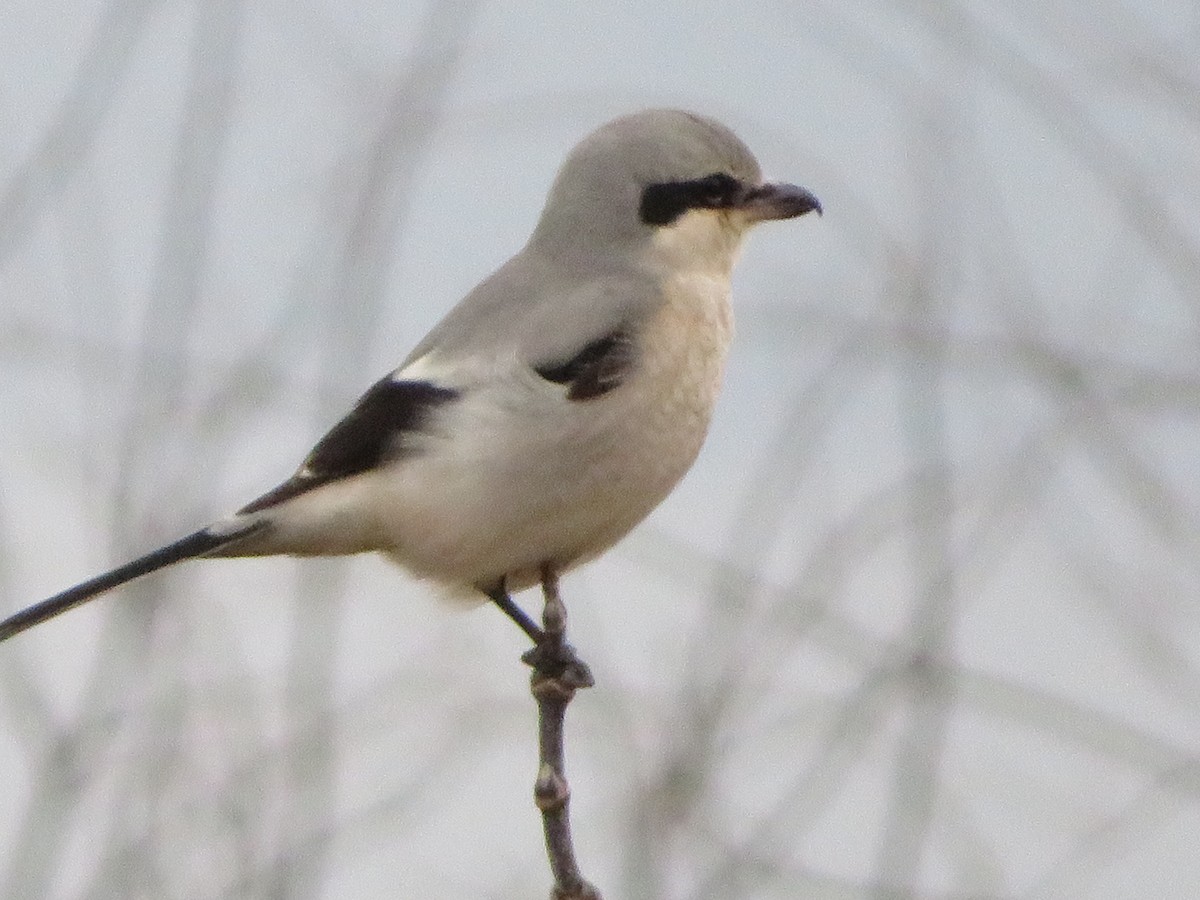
1102	843
557	674
928	296
66	769
1145	210
353	264
66	141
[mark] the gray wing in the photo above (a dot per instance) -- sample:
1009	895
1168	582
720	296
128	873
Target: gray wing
543	316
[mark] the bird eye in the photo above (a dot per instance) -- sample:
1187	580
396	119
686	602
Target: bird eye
718	190
664	202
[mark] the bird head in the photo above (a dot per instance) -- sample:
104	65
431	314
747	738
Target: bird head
664	188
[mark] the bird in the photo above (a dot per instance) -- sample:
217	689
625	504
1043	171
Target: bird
554	407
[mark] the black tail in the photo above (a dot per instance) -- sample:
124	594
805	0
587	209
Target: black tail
195	544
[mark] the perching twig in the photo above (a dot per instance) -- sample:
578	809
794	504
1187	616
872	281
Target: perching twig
557	674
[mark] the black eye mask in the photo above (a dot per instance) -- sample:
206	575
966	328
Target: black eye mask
666	201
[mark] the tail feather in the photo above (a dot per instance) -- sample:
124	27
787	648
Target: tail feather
196	544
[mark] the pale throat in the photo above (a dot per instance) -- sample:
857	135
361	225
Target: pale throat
700	242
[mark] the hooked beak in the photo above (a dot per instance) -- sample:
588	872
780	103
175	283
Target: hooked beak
777	201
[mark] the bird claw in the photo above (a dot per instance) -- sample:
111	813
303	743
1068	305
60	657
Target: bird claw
553	660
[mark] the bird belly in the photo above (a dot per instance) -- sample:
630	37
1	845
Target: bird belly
525	477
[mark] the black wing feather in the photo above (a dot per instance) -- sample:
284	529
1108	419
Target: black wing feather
372	433
595	370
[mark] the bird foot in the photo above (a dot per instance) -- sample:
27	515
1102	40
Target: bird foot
556	665
554	660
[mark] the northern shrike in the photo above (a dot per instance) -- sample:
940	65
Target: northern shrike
555	406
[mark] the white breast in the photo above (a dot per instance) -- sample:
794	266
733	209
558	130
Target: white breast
530	477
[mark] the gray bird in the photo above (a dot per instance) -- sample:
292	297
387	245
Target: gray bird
555	406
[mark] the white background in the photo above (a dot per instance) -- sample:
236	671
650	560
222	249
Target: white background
923	620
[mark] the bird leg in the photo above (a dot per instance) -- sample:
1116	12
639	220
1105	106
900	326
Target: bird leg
551	655
499	595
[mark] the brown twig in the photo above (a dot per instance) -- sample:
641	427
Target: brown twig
557	674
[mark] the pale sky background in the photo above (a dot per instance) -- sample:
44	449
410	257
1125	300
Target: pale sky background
923	620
